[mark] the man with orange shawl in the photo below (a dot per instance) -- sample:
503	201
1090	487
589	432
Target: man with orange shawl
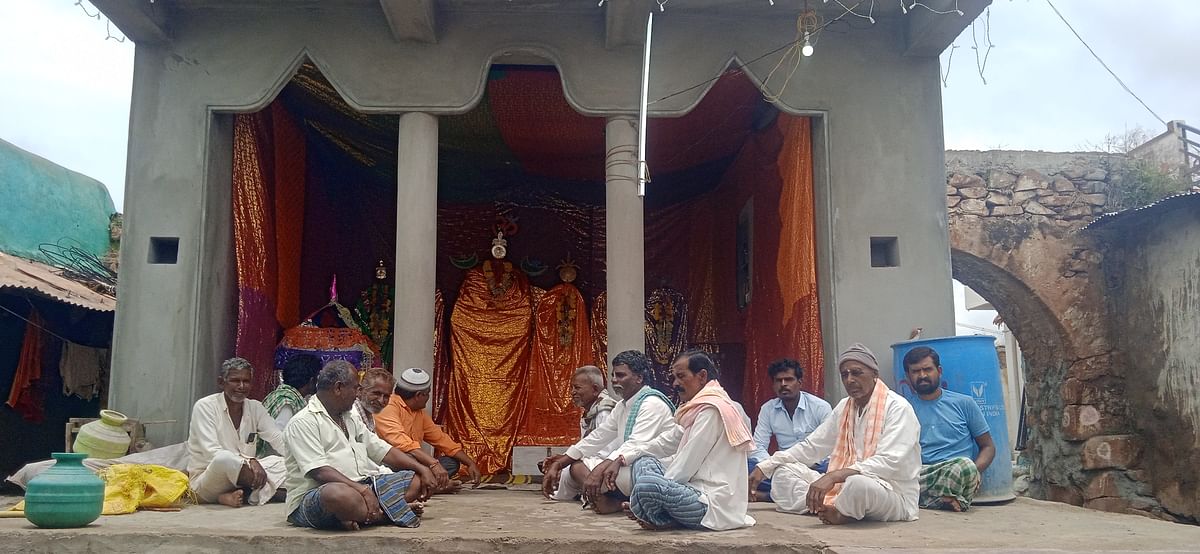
872	441
702	487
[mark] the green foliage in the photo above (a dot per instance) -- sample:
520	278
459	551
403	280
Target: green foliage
1140	183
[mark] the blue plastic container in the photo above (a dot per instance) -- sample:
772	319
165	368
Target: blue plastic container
970	366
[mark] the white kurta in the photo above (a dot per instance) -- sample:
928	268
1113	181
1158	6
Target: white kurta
653	419
702	458
886	488
217	450
315	440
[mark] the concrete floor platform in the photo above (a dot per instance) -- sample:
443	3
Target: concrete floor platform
521	521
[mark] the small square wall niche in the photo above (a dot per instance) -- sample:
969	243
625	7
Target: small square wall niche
164	250
885	252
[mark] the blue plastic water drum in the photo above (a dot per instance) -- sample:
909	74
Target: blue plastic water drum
970	366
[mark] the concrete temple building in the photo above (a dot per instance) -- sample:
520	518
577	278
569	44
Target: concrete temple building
418	124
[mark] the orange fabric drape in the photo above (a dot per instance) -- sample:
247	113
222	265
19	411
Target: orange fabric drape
289	174
796	270
25	397
562	342
600	332
268	223
783	318
489	348
441	359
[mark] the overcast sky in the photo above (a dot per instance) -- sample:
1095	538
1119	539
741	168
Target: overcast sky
66	93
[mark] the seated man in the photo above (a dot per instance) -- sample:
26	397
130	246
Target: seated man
222	466
874	457
374	392
404	423
789	417
299	382
588	392
333	473
956	443
702	485
643	414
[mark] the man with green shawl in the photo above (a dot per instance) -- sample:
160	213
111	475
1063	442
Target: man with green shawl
642	414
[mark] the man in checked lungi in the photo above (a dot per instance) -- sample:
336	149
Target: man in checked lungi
956	445
334	477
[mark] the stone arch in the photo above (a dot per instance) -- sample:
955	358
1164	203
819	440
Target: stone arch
1014	222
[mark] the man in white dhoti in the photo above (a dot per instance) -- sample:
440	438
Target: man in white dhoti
642	414
222	443
701	485
871	439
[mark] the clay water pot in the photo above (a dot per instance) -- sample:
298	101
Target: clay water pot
104	438
66	495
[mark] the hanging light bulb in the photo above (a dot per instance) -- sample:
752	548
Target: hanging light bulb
807	49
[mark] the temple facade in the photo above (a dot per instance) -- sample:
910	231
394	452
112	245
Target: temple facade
870	94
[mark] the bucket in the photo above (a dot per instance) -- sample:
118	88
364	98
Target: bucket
970	366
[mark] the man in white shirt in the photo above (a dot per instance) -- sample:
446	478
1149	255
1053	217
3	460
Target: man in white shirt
871	439
334	480
789	417
222	466
701	487
642	414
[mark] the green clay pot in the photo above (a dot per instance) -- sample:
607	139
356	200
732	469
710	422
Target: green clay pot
66	495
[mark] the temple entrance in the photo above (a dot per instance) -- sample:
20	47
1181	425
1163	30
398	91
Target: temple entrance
729	246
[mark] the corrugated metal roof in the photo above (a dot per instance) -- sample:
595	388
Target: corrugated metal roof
22	274
1167	203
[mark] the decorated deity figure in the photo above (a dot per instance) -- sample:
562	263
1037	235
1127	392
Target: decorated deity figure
373	313
562	342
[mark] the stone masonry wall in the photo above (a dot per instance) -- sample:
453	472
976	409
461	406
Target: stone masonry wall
1015	220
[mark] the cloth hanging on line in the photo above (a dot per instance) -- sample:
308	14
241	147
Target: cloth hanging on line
81	368
25	396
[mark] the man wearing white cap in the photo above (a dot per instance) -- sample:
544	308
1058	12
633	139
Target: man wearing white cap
404	423
872	441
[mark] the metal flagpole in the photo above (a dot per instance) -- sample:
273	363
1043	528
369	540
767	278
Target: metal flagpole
643	171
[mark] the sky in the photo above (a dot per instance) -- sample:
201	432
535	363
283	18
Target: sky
67	86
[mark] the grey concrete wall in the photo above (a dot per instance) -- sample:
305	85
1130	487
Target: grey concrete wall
882	172
1165	151
1155	280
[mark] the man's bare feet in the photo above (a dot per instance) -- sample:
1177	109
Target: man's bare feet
233	499
760	496
607	505
830	516
417	507
454	487
349	525
952	504
644	524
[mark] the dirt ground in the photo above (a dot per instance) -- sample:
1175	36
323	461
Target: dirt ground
521	521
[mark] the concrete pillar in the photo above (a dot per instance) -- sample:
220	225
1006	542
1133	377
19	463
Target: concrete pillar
416	241
624	248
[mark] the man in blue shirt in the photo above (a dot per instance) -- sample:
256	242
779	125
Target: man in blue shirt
789	417
956	445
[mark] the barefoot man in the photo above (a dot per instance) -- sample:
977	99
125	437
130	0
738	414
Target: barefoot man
874	457
642	414
702	487
956	443
222	440
404	423
334	478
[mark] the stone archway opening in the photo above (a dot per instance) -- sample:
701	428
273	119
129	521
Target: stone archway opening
1042	340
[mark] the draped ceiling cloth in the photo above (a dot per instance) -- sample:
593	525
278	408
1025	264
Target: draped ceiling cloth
562	342
489	349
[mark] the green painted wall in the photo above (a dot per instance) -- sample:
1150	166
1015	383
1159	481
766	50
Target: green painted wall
45	202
